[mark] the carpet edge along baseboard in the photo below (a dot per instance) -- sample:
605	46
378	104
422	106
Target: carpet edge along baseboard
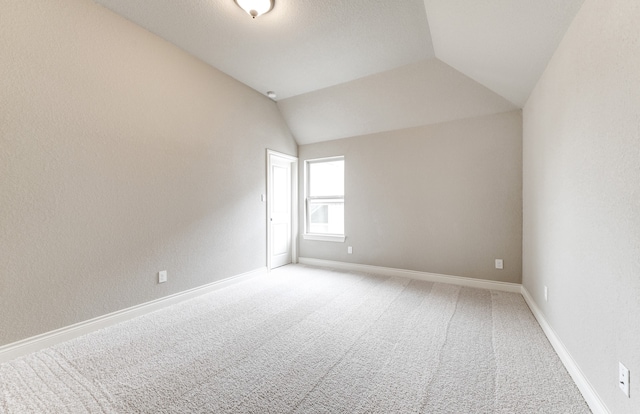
35	343
414	274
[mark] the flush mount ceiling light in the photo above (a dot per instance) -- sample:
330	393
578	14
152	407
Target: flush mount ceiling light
255	8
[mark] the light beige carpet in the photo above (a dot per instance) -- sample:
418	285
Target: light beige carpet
307	340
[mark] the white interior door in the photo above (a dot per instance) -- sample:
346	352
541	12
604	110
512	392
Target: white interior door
280	209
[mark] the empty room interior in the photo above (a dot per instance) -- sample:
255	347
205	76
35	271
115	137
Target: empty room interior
320	207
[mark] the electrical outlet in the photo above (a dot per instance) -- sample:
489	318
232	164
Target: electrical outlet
623	378
546	294
349	250
499	264
162	276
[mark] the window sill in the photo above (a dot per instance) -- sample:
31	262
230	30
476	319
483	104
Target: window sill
325	237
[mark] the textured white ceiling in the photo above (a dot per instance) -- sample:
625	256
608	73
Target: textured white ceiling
503	44
300	46
421	93
351	67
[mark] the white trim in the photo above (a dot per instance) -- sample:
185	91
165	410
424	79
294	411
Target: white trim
38	342
413	274
325	159
294	204
295	218
290	158
588	391
307	199
324	237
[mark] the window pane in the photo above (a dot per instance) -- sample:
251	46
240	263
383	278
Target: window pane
320	214
326	178
326	217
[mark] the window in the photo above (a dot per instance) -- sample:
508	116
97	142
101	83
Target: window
324	203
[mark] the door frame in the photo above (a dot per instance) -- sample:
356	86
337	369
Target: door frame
271	154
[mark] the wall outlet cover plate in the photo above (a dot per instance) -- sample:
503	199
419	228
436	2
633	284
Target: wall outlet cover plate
162	276
623	380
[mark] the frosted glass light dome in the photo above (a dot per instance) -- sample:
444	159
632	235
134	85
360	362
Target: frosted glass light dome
255	8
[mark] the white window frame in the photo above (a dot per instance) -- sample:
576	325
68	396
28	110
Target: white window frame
340	238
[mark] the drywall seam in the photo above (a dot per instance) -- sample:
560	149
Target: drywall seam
588	391
413	274
47	339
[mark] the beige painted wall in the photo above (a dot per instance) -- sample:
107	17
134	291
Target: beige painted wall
120	156
444	198
582	195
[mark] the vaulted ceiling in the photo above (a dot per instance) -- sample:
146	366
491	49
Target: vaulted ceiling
343	68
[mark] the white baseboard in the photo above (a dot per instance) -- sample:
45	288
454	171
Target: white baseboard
412	274
588	392
38	342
